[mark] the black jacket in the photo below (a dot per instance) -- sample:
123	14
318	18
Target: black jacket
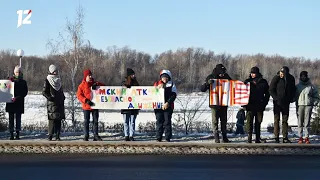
282	90
241	116
55	101
20	92
214	75
259	94
130	111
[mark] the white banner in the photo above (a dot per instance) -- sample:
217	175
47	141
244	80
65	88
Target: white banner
136	97
6	90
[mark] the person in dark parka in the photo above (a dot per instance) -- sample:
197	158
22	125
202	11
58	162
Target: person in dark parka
129	115
16	107
241	116
52	90
258	100
218	112
282	89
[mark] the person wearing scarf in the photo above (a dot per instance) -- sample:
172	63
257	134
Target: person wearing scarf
16	107
258	100
53	92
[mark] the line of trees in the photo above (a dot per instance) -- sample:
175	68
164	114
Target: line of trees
189	66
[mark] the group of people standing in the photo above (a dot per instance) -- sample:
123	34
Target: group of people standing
283	91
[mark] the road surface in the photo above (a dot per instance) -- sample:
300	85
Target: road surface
102	167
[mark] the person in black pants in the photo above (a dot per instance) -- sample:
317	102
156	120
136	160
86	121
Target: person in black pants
164	114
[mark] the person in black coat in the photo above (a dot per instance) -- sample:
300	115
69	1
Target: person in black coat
258	100
16	107
282	89
53	92
129	115
218	112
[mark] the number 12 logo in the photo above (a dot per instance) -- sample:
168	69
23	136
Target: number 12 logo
26	20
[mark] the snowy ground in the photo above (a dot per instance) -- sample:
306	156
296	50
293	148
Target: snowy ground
35	114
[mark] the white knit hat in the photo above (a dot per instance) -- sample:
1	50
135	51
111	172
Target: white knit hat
17	69
52	68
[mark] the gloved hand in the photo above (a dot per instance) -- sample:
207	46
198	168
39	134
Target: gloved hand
94	86
246	81
13	99
165	106
210	81
11	79
90	103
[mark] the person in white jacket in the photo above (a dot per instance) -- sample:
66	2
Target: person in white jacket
307	96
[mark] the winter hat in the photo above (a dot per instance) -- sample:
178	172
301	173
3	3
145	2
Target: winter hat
304	73
130	72
86	73
255	70
53	68
220	69
284	69
17	69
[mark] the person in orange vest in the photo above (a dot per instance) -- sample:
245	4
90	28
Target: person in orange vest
84	96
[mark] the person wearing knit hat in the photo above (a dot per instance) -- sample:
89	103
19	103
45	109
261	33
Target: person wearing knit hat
218	112
282	89
307	96
84	96
16	107
129	115
53	92
164	115
258	100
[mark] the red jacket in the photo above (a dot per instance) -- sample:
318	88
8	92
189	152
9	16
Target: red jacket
84	93
170	93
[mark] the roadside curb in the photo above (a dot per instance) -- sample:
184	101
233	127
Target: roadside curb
154	148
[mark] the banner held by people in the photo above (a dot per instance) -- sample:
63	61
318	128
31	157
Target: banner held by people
6	90
118	97
225	92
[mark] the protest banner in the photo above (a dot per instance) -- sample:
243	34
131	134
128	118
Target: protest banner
136	97
225	92
6	90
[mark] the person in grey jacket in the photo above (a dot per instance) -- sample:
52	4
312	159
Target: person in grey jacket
307	96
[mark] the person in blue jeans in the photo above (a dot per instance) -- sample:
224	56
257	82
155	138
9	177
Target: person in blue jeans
129	115
16	107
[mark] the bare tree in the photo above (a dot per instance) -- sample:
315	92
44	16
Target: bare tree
69	47
190	110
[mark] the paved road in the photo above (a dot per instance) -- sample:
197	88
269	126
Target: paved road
60	167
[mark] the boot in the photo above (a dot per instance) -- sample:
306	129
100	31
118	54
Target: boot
225	139
50	137
277	140
17	135
11	136
286	140
300	140
307	141
131	138
249	138
86	138
97	138
216	138
126	138
58	137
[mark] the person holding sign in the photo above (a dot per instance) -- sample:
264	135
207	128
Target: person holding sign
218	112
258	100
129	115
164	114
84	96
16	107
52	91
